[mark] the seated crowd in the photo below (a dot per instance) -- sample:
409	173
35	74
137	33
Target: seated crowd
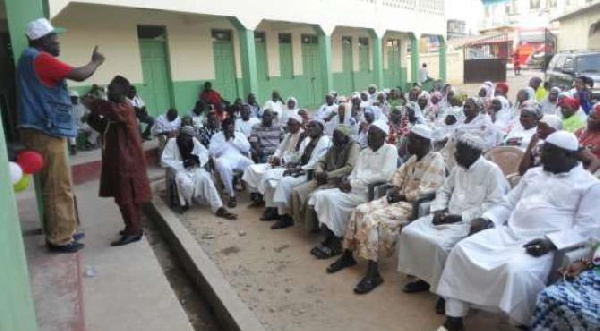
380	174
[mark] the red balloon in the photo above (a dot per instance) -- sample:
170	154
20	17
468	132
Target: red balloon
31	162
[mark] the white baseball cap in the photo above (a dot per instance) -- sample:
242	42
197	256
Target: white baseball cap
39	28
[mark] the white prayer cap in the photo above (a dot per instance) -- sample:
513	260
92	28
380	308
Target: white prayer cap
39	28
372	86
564	140
552	121
295	117
383	126
422	130
472	140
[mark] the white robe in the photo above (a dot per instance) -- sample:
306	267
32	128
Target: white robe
491	269
483	127
334	207
229	155
253	176
163	125
519	135
278	189
325	111
194	184
424	247
245	127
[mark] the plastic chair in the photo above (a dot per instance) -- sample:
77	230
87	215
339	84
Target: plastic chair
508	158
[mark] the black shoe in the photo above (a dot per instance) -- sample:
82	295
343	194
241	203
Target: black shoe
127	239
440	306
71	248
453	324
232	203
78	236
284	222
341	263
416	287
368	284
270	214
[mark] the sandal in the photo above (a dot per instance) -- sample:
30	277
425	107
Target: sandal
316	249
325	252
340	264
224	213
367	285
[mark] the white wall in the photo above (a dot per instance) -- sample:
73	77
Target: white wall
574	31
114	30
454	66
379	15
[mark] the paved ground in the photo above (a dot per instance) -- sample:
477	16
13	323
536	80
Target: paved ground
288	289
129	291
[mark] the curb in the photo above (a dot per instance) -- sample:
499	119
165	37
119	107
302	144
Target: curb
228	308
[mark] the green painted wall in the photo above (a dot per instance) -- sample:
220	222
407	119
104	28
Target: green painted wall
16	304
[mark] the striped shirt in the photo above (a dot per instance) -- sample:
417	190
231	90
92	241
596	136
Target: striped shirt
266	139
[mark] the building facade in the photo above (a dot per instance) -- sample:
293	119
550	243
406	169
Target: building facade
580	29
168	49
303	49
526	13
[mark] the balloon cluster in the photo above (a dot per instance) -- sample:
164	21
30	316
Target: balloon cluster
28	163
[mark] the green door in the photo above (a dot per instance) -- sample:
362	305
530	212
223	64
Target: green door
261	65
286	59
312	70
347	66
393	72
225	76
156	90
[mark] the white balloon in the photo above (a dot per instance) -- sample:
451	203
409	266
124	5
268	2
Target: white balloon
16	173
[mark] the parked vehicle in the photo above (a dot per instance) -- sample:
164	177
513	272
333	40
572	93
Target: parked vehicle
565	66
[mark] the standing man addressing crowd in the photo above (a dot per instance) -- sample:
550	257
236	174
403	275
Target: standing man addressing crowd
46	122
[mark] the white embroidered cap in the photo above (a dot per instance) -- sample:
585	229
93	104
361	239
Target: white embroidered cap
422	130
383	126
564	140
472	140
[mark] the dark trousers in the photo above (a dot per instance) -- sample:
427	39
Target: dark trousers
132	216
143	117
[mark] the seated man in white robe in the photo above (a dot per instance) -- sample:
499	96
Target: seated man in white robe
334	206
504	269
245	123
229	148
328	110
375	226
280	182
187	157
285	153
473	186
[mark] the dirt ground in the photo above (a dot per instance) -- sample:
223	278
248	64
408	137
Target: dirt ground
288	289
515	83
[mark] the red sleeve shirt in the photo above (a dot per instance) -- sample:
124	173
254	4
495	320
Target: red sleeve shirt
50	70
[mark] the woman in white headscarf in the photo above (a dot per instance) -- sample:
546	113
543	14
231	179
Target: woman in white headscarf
521	132
342	117
486	93
291	107
380	107
501	113
550	103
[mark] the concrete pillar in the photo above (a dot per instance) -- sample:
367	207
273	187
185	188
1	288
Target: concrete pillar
248	58
442	58
16	303
324	37
377	57
415	57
